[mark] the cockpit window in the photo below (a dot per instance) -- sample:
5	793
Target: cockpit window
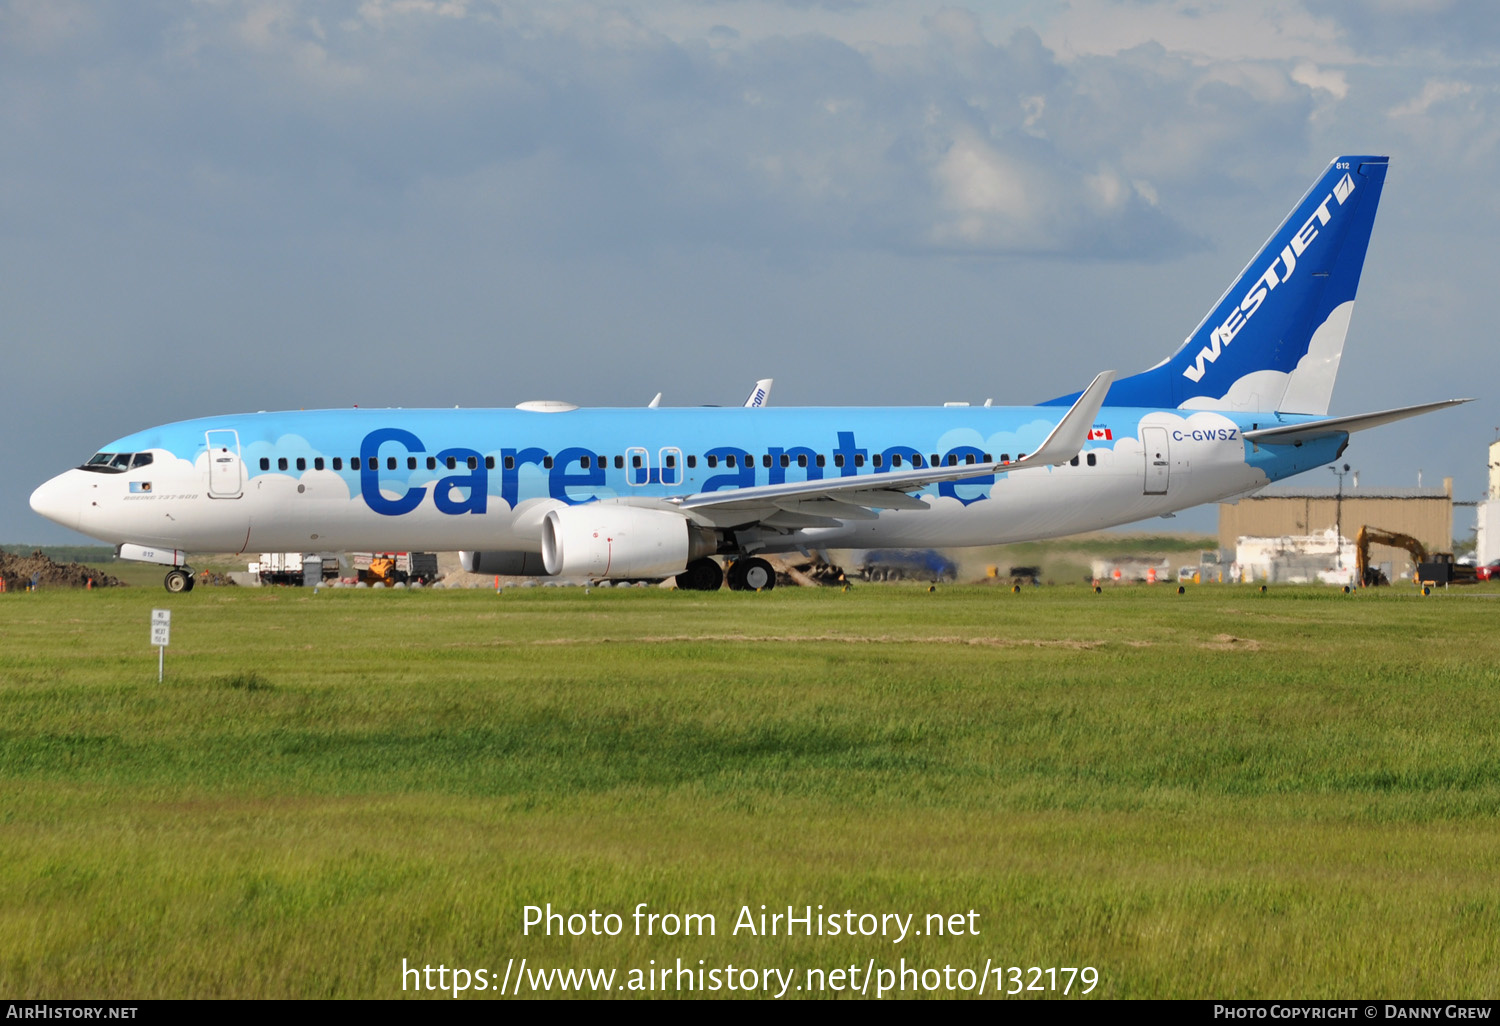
116	462
108	463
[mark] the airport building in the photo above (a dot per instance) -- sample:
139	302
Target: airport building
1487	543
1301	513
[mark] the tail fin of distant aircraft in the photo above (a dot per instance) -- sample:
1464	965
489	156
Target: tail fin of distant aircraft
1274	339
760	394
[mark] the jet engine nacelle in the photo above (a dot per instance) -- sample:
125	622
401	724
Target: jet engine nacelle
512	564
607	541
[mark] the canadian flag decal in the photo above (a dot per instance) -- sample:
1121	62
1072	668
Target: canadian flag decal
1101	435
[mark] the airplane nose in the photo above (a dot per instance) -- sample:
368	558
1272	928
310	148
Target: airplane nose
58	501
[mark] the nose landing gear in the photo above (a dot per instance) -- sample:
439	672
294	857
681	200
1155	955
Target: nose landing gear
178	579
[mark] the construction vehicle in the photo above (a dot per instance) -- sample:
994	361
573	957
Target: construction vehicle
1432	568
913	564
391	568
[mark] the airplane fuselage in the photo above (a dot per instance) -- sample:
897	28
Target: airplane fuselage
483	479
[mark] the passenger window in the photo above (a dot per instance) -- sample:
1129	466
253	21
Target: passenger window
432	463
1091	459
489	463
411	463
671	461
301	463
988	458
338	463
692	462
317	463
766	460
583	461
728	460
859	459
1005	457
619	462
281	463
820	459
451	462
875	460
1073	462
474	462
916	459
896	459
713	461
802	459
510	463
265	464
390	463
838	459
546	463
968	460
786	461
635	461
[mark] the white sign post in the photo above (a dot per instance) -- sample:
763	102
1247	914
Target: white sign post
161	636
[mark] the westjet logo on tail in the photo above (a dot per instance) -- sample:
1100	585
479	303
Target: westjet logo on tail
1240	315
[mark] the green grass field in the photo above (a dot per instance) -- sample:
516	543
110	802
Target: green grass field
1220	794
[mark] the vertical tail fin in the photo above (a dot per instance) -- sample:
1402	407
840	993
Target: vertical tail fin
1274	339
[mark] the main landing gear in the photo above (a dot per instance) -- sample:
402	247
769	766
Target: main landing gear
751	574
178	579
743	575
701	575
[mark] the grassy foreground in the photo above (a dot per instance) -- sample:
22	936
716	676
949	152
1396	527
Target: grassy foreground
1221	794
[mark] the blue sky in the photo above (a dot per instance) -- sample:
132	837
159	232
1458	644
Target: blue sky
223	206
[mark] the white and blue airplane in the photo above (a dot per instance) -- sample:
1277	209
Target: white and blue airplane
548	488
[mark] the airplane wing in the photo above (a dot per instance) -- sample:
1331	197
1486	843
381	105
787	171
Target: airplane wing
829	501
1296	434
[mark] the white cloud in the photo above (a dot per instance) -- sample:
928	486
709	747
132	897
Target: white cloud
43	26
1433	92
1209	30
1332	82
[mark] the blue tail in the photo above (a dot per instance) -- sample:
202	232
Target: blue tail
1274	339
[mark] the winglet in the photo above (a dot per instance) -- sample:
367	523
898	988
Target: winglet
760	394
1072	431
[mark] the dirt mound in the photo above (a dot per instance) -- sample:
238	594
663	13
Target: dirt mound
20	571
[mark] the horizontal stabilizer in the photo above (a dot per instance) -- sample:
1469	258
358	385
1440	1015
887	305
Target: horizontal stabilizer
1296	434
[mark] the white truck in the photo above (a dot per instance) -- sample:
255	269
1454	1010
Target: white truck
295	568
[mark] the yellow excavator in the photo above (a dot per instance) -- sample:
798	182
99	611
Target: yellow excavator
382	569
1432	568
